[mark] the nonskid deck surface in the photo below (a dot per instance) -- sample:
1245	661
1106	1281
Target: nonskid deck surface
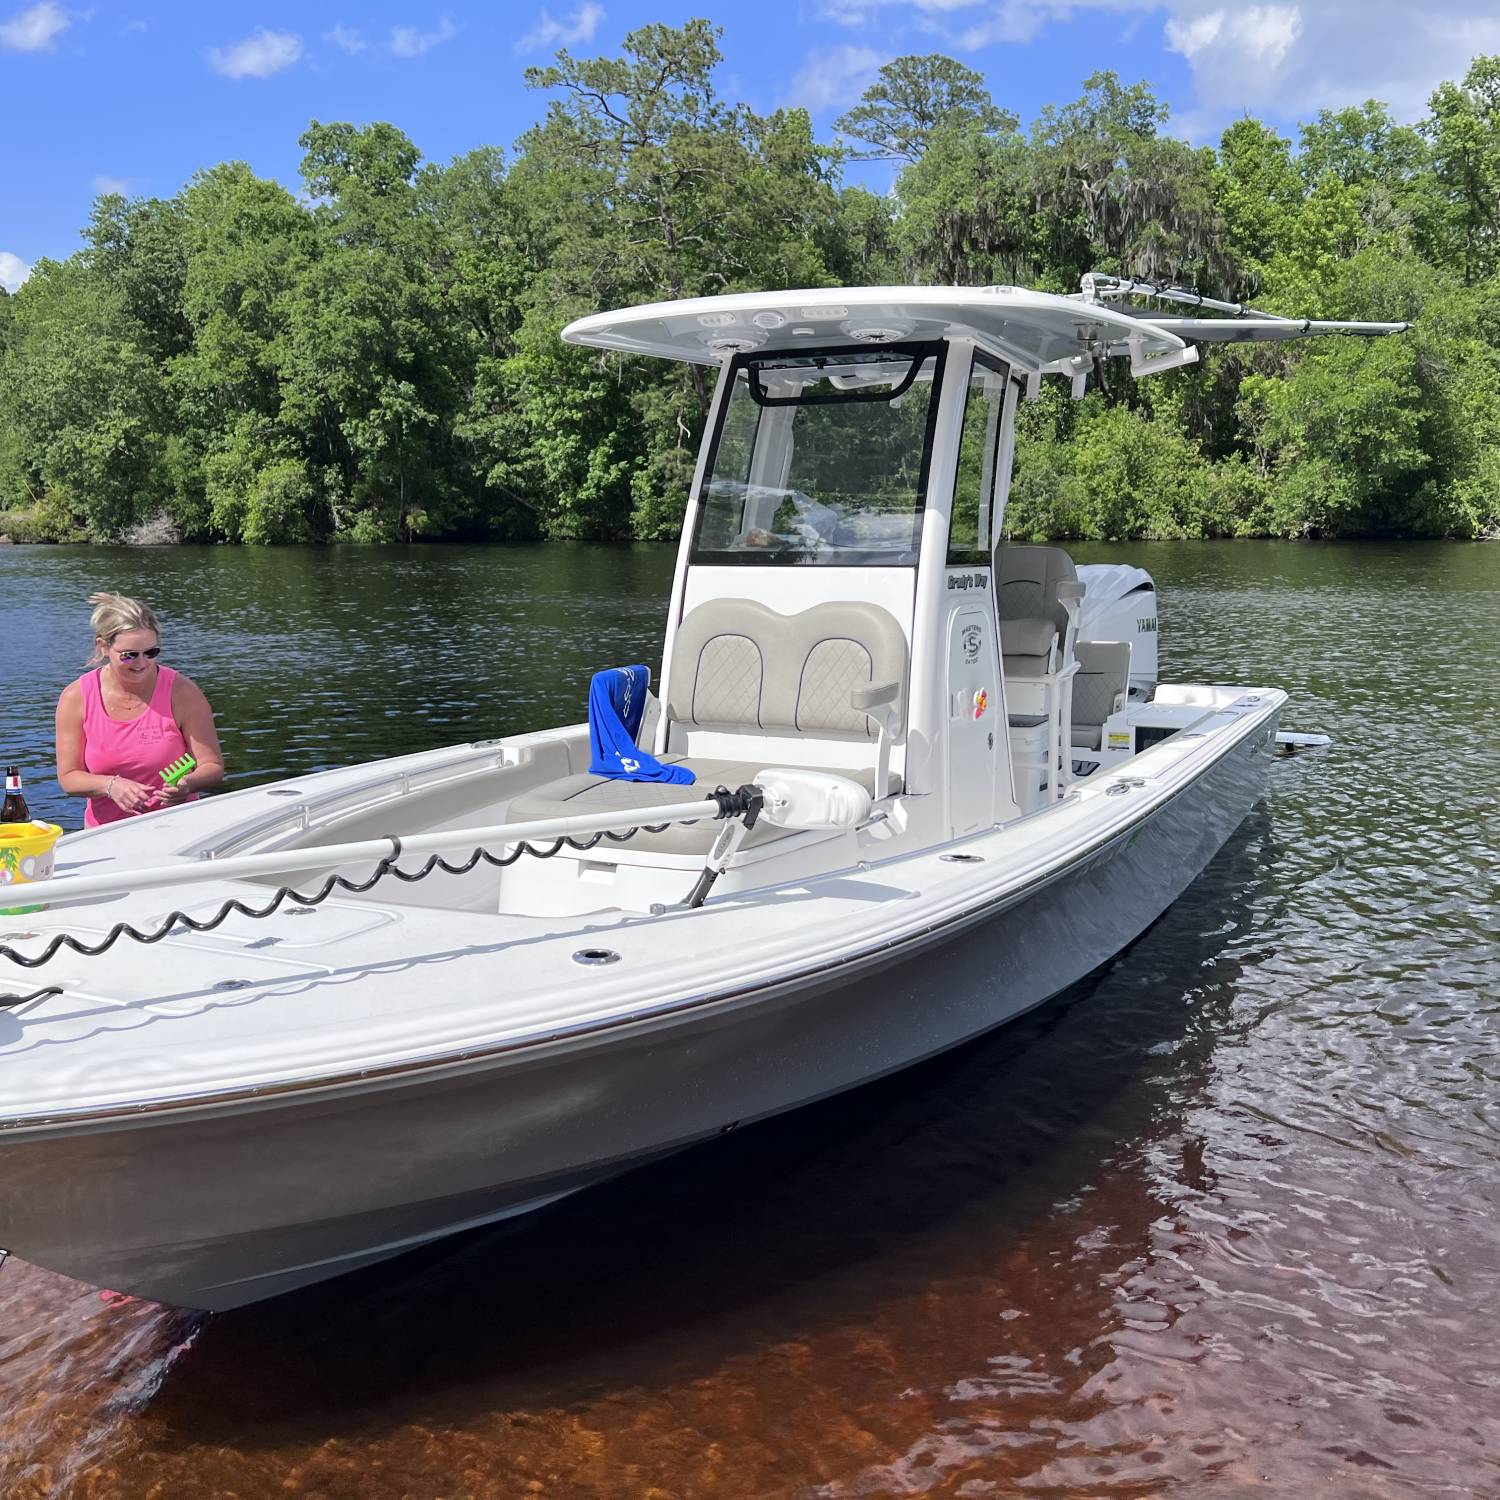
363	986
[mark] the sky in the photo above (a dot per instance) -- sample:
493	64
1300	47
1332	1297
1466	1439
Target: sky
134	96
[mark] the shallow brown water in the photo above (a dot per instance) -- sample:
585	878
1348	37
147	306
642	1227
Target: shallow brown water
1220	1221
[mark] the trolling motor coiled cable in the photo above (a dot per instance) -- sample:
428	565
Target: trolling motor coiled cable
731	804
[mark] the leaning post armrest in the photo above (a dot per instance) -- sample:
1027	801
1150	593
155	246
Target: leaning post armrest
1070	592
650	718
877	701
874	695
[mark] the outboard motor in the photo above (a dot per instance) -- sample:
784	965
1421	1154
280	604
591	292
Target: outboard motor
1120	605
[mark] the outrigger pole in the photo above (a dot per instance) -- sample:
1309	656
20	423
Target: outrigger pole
1245	325
1100	287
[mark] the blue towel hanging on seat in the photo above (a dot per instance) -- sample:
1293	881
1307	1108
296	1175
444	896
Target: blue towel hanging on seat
617	701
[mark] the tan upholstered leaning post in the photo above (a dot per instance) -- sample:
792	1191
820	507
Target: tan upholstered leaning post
738	665
835	672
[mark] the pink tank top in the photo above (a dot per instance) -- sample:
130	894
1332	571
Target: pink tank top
137	750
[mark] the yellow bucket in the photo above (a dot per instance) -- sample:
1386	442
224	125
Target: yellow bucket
26	852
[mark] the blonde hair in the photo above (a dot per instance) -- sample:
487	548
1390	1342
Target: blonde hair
113	615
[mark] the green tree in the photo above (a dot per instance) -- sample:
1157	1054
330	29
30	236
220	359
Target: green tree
1115	194
82	397
670	193
1258	191
250	243
968	211
913	97
1462	222
140	247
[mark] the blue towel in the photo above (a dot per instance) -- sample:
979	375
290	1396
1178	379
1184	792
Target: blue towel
617	700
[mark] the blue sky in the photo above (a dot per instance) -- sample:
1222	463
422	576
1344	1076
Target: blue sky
134	96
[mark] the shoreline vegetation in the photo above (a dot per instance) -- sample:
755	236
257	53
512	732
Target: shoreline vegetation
375	358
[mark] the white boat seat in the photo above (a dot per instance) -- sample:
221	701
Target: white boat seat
1099	688
739	666
1028	648
1029	585
572	796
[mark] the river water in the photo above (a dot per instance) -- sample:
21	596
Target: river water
1222	1220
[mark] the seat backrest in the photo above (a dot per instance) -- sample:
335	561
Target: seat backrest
737	665
1026	648
1029	577
1102	680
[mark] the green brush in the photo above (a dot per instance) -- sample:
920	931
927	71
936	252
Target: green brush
171	775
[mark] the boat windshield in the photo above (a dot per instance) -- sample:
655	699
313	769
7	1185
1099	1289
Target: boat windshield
821	458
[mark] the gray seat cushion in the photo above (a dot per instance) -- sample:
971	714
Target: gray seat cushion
1026	586
574	796
1026	647
1101	682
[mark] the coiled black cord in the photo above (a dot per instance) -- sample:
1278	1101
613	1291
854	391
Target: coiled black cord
386	866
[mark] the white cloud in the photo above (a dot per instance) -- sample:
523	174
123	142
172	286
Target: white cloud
1286	58
1191	37
131	27
13	271
834	77
34	30
119	185
1014	21
1293	59
407	41
347	37
1262	34
547	34
259	55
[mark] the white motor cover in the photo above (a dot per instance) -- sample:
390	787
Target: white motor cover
1120	605
812	799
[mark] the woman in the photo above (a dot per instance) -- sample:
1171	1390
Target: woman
120	725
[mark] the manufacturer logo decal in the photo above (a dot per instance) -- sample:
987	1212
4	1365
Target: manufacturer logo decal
969	640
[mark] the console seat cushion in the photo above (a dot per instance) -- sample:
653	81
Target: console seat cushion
574	796
1099	689
1026	647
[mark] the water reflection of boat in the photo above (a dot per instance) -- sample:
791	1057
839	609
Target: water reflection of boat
946	801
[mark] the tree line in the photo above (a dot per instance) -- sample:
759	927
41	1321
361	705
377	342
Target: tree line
376	358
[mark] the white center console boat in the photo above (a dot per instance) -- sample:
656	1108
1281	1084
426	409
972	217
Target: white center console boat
952	786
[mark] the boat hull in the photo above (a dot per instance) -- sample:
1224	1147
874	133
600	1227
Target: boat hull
219	1205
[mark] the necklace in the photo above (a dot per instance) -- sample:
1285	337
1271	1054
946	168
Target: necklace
121	702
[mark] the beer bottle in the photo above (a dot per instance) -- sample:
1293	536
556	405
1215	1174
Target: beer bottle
14	808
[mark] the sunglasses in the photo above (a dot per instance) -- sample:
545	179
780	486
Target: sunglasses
150	653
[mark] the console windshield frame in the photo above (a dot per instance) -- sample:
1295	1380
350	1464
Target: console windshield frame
747	364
